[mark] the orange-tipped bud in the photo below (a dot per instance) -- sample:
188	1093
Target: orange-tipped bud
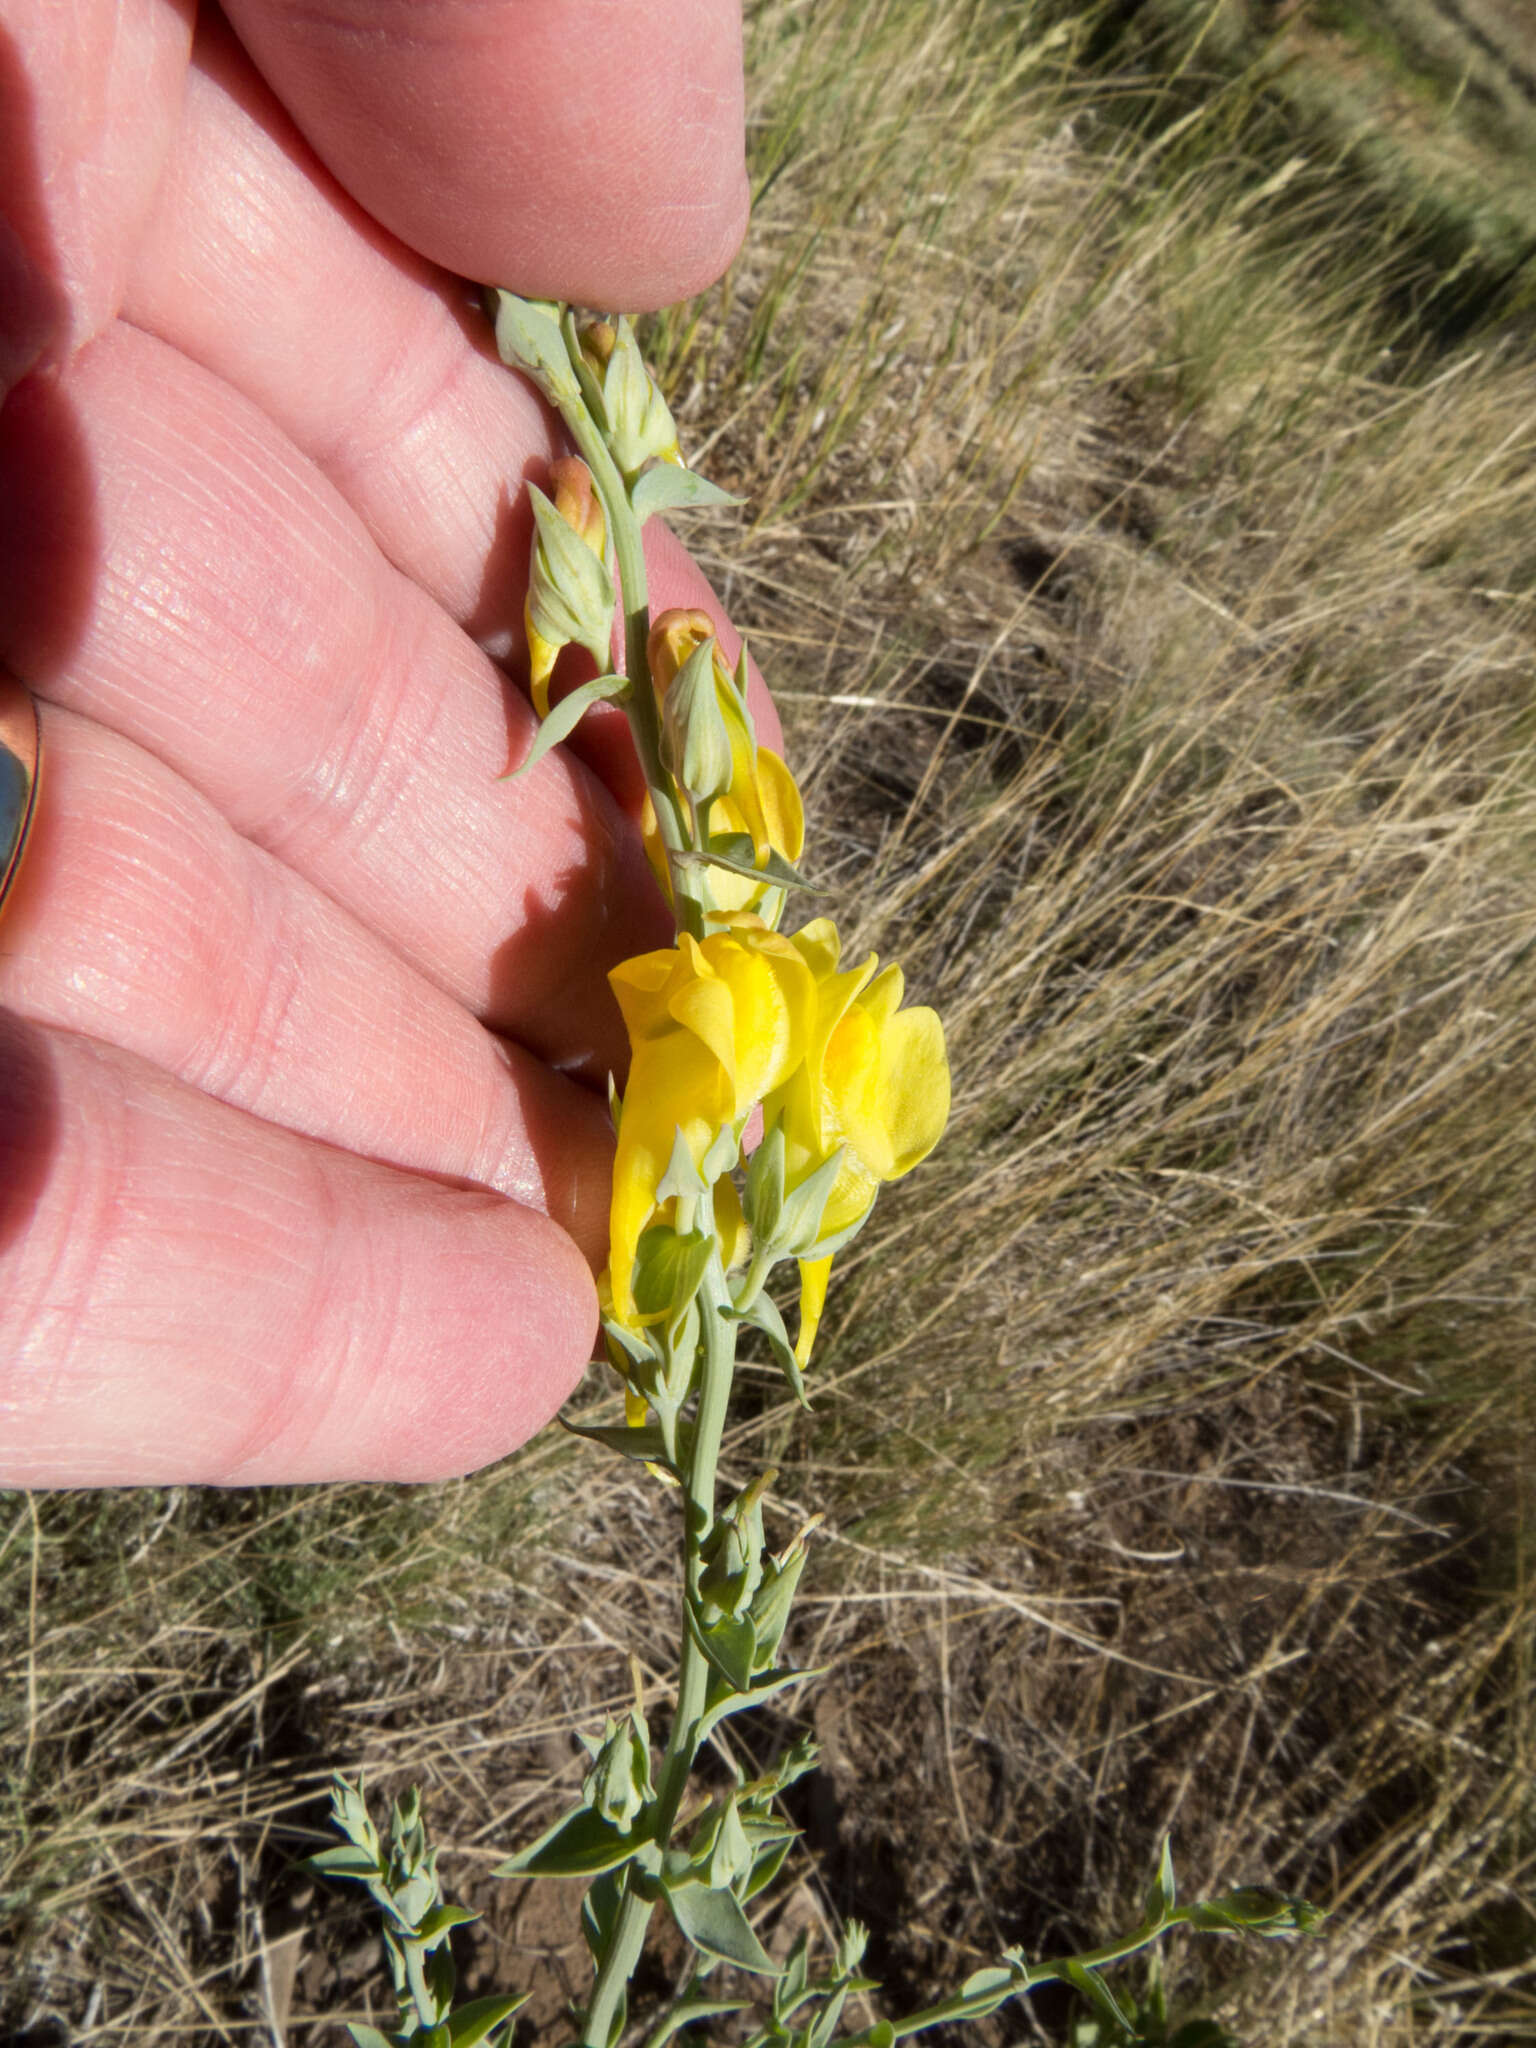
676	635
577	502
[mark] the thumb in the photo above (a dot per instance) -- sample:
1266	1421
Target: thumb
572	149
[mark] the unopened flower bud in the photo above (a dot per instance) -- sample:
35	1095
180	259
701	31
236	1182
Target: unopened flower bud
639	425
720	1850
775	1595
764	1204
695	746
675	636
733	1551
570	592
618	1786
1257	1910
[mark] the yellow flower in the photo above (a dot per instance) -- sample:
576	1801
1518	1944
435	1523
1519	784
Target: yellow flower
874	1083
762	802
713	1027
567	599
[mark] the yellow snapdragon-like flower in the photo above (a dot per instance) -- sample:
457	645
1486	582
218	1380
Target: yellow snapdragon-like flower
762	801
552	615
874	1083
714	1026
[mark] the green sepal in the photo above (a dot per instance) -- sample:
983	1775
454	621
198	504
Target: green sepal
687	2012
583	1844
667	488
799	1232
571	597
716	1925
682	1178
646	1443
528	338
370	2037
723	1153
763	1202
764	1315
1100	1997
477	2021
600	1912
733	851
881	2035
762	1688
635	1344
730	1644
586	378
680	1363
773	1600
695	745
767	1863
1162	1893
669	1269
564	718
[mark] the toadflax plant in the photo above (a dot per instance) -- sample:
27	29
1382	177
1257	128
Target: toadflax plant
736	1021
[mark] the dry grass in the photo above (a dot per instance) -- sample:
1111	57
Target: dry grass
1158	651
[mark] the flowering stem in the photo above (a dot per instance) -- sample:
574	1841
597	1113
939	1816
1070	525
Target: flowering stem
717	1372
644	722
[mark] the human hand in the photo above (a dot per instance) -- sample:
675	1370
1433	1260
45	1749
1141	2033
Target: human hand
301	1173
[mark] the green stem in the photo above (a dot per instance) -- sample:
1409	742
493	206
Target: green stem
415	1954
718	1370
1032	1977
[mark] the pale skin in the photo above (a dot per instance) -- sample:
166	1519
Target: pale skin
303	1019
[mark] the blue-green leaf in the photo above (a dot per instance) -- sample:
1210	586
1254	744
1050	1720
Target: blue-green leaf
733	851
646	1442
667	488
477	2021
583	1844
687	2011
1162	1893
766	1867
764	1315
344	1861
564	718
761	1689
715	1924
528	338
441	1918
1100	1997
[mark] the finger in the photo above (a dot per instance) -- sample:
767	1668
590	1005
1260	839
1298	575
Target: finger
142	919
191	1294
89	96
572	150
260	267
223	610
257	265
